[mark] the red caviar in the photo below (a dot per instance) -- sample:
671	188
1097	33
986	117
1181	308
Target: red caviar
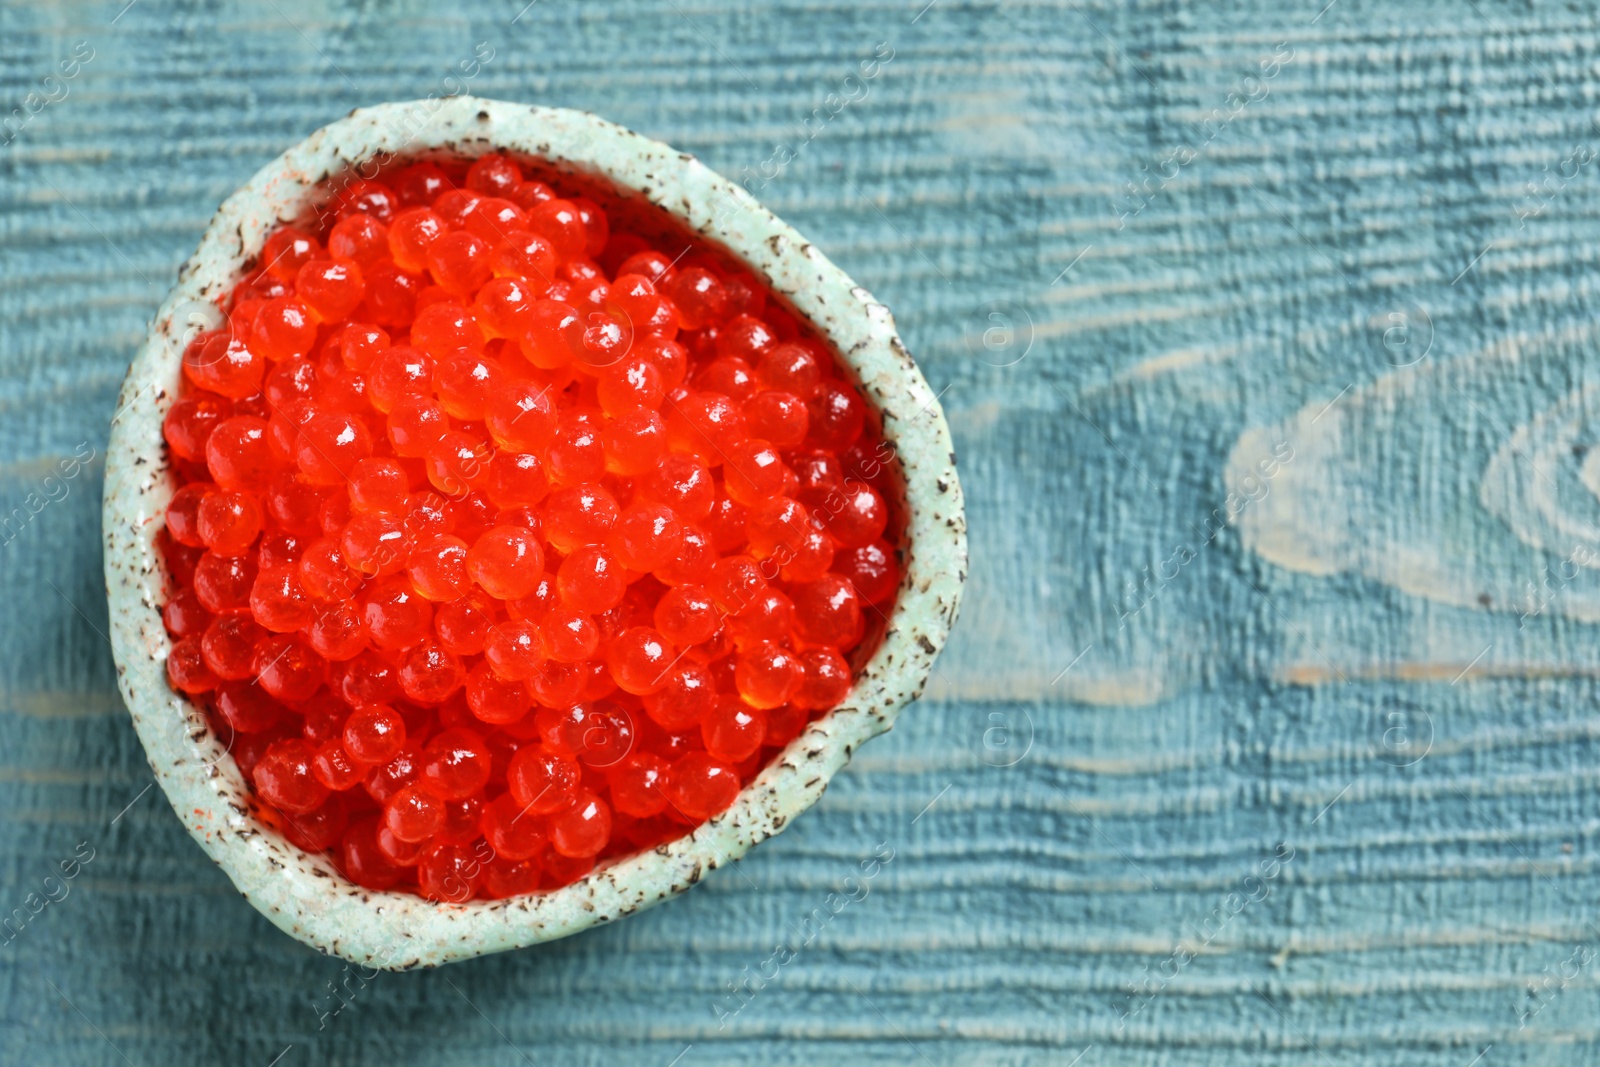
506	540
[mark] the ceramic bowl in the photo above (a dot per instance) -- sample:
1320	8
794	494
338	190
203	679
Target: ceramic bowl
302	893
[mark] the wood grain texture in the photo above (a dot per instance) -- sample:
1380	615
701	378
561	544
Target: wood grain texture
1171	662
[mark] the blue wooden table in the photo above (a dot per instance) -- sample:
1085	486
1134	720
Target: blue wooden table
1269	733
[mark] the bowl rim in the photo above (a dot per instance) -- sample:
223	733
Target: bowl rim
301	893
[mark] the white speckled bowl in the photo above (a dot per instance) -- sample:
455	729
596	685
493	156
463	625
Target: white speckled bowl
302	893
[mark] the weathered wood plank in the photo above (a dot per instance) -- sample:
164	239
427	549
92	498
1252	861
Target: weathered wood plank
1171	662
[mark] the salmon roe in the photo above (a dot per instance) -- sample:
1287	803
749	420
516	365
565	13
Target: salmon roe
507	540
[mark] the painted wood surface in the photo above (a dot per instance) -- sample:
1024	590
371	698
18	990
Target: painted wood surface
1269	732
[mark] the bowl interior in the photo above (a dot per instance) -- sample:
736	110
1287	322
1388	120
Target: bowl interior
668	196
